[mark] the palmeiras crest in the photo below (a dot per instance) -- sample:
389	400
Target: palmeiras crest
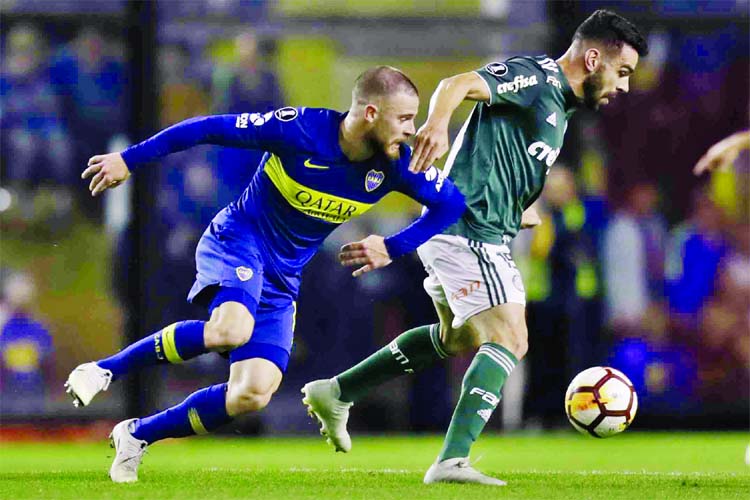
373	180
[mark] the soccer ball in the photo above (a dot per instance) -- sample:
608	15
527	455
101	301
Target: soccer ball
601	401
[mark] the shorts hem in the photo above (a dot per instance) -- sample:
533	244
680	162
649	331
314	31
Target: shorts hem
270	352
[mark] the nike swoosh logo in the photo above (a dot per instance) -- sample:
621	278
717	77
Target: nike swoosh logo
312	165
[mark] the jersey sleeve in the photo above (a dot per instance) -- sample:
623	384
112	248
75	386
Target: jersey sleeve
444	203
516	81
273	131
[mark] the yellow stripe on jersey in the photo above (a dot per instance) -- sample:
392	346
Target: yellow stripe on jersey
195	422
310	202
167	341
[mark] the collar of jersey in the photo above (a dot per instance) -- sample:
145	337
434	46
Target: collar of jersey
571	101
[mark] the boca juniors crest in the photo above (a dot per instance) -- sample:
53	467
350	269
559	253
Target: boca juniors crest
244	273
373	180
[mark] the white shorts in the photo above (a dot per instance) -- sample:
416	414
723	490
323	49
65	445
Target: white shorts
470	276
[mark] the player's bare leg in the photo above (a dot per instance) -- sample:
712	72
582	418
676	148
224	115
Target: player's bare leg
252	383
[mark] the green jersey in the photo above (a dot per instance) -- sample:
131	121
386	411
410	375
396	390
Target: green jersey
504	151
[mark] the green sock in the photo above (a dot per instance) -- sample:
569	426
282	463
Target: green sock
480	394
410	352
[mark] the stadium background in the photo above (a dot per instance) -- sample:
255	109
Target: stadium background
82	277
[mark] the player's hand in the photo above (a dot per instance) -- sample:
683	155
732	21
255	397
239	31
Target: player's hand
430	144
369	253
719	155
530	218
106	171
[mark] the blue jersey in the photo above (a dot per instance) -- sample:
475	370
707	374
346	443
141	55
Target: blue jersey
255	248
306	186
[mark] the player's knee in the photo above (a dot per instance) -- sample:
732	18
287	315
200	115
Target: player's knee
514	336
227	333
519	346
507	329
245	399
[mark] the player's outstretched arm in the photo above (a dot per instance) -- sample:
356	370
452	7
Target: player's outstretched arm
723	152
375	251
106	171
247	130
369	253
432	141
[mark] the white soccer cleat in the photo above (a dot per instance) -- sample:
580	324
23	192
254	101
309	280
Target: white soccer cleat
86	381
128	453
458	470
323	403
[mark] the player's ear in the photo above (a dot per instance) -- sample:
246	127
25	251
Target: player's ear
371	113
592	58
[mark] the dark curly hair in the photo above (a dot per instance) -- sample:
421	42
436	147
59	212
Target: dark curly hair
612	29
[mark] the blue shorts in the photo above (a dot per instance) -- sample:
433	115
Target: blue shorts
230	269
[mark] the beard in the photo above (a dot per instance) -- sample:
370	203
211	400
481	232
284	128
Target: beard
592	89
377	145
391	155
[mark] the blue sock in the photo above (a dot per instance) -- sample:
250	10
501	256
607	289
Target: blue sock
202	412
176	343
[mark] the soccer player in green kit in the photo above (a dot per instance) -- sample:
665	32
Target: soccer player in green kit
499	161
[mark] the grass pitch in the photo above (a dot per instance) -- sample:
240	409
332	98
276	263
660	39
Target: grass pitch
541	466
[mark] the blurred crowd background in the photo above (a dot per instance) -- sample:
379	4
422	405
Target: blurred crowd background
637	265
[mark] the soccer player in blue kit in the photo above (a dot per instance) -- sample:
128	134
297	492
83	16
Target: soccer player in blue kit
321	168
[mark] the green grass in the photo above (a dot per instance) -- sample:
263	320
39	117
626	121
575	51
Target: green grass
545	466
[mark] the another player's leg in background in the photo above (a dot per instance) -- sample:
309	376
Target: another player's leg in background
410	352
500	336
175	343
330	399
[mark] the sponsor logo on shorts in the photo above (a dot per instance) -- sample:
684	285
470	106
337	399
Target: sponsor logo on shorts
518	283
244	273
466	291
373	180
